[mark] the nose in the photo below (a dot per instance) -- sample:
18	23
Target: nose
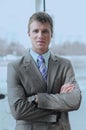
40	34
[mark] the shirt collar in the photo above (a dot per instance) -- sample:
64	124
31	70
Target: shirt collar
45	55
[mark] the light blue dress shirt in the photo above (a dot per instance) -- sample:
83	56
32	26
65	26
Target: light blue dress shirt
45	55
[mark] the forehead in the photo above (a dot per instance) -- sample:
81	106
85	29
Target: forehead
39	25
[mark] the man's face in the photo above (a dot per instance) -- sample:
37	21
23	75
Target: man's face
40	35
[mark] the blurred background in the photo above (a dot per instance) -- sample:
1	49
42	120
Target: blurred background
69	40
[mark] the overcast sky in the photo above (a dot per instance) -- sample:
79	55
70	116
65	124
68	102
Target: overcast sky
69	19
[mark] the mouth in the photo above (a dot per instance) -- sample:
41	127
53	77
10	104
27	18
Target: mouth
41	42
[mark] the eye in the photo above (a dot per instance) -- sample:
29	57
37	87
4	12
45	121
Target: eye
35	31
45	31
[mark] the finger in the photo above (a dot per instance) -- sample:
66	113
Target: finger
67	89
67	85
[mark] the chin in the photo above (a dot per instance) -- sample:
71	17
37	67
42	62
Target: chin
43	50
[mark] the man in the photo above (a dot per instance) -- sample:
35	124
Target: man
41	87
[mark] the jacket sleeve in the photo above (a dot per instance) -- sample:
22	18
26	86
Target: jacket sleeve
20	107
68	101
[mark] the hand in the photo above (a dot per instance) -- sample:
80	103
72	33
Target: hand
36	98
68	87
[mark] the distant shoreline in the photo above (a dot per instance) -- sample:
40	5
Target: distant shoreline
76	59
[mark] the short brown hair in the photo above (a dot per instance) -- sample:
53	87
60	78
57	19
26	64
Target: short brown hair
41	17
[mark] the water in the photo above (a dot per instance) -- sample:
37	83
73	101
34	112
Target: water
77	118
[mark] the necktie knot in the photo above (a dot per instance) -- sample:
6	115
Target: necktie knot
40	59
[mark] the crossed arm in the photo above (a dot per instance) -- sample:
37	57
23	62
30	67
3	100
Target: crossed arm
68	87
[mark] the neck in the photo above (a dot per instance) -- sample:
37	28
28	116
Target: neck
40	51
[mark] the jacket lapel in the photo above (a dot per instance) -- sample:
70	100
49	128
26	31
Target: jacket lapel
30	66
52	70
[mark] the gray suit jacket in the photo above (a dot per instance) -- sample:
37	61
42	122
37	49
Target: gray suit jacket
24	80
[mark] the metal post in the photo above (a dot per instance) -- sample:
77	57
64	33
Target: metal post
44	6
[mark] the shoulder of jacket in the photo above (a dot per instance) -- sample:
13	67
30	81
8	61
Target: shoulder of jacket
17	61
61	59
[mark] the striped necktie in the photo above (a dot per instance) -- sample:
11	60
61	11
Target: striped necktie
42	67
